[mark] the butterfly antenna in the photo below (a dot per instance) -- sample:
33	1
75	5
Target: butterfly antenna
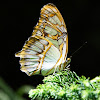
78	49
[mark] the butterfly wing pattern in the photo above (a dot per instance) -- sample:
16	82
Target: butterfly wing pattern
46	50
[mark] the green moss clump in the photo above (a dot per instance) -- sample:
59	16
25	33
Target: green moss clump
67	85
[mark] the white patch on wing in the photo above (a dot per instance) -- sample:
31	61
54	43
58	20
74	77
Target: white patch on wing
62	28
54	10
30	52
49	57
49	10
30	69
28	56
65	29
44	42
44	20
28	59
46	12
54	51
41	55
41	26
46	67
40	45
50	60
39	33
44	15
30	63
35	48
59	28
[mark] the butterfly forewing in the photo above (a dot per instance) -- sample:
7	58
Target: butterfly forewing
51	23
47	48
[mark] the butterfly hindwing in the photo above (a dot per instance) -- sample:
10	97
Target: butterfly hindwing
37	54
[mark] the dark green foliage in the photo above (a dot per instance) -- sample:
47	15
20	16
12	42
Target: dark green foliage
7	93
66	85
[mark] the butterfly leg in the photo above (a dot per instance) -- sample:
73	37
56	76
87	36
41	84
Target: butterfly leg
54	71
67	67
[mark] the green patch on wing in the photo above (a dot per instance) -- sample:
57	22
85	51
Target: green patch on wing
52	20
54	42
50	30
57	20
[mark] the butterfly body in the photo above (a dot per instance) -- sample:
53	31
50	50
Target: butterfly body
46	50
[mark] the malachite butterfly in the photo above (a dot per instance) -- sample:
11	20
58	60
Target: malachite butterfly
45	52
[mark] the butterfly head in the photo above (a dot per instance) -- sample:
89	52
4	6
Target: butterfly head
67	63
68	60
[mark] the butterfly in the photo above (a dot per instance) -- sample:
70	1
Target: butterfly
45	52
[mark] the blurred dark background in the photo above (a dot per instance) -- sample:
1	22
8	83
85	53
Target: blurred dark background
82	18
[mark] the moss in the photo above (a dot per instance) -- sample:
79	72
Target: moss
67	85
